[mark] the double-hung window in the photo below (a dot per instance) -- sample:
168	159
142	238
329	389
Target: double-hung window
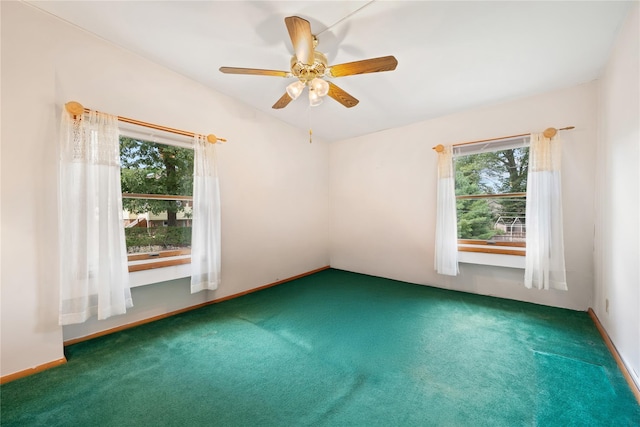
157	189
491	187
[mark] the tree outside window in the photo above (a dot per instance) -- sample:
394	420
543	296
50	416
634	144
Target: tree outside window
491	195
157	185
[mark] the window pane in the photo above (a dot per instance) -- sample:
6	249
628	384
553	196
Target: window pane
492	173
155	225
151	231
496	172
152	168
497	219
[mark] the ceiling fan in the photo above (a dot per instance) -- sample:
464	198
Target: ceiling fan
310	67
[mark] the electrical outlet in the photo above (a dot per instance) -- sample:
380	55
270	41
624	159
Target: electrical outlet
606	305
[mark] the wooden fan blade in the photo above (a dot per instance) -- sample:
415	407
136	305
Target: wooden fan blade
341	96
373	65
282	102
255	71
301	38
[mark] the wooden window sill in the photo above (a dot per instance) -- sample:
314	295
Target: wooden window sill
492	250
492	247
169	258
159	264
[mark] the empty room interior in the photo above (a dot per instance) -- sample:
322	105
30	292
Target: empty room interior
372	224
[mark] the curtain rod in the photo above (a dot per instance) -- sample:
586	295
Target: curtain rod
548	133
76	109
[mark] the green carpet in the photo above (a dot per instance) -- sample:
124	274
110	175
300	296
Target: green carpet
337	349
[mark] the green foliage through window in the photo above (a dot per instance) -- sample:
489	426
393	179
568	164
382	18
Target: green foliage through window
156	169
142	239
492	173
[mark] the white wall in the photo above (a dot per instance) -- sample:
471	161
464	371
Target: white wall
380	188
274	184
383	194
617	255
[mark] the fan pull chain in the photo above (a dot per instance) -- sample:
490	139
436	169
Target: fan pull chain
309	121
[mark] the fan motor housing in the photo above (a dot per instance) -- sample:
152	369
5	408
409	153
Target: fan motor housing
306	72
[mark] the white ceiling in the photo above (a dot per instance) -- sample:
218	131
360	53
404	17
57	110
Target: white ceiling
451	55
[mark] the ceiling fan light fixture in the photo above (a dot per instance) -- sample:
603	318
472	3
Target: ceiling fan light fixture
295	89
314	98
320	86
310	67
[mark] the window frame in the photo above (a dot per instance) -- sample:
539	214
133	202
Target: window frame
177	257
490	246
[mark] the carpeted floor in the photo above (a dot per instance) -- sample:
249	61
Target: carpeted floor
337	349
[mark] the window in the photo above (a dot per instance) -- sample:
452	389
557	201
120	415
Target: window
157	189
491	186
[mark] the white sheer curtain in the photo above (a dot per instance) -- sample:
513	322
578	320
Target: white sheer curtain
544	268
446	251
94	277
205	234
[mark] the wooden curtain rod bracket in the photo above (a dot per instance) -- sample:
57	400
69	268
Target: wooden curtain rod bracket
548	133
213	139
551	132
76	109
